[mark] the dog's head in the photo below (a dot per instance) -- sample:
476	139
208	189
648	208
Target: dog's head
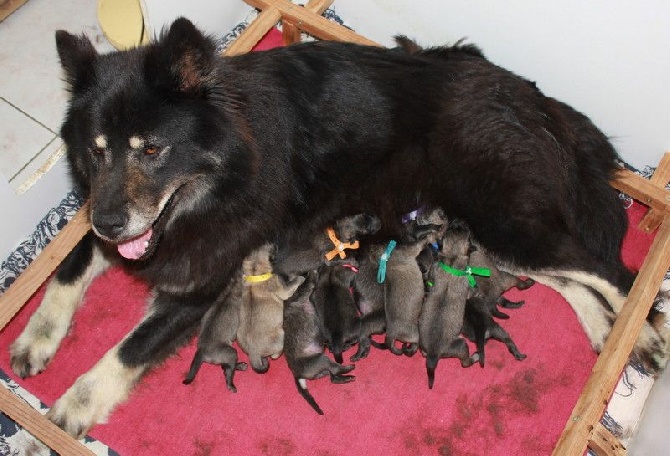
146	131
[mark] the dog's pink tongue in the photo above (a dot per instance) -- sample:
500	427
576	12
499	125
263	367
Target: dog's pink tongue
136	247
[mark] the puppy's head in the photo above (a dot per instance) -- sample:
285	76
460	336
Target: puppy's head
351	228
145	133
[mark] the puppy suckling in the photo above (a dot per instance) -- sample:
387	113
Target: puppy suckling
217	333
369	295
261	332
327	247
403	291
304	342
442	314
334	303
482	306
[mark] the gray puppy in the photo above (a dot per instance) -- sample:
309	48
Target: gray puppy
482	306
369	295
303	344
334	303
442	315
261	332
404	285
218	330
327	247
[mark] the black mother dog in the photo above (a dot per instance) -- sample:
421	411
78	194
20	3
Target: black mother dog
192	160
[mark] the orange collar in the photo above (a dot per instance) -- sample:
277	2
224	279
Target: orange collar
339	245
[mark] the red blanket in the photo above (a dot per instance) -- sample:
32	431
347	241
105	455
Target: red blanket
509	407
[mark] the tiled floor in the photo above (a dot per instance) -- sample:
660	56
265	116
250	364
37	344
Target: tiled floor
32	95
33	99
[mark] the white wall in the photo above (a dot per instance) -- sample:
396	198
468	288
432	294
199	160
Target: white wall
610	60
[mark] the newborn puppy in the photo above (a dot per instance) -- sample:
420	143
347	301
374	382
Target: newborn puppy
479	326
334	303
369	295
404	288
217	333
303	343
326	247
498	283
261	332
442	314
482	306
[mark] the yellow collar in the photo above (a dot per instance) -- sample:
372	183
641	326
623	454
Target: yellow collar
339	245
258	278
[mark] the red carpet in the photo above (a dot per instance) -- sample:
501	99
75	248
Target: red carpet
508	408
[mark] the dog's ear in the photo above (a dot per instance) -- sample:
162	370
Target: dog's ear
182	60
77	55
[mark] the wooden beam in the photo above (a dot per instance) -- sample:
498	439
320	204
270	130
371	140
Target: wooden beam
311	23
642	190
290	32
265	20
603	443
608	367
46	262
7	7
660	178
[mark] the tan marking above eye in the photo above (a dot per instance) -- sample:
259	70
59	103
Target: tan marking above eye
136	142
101	141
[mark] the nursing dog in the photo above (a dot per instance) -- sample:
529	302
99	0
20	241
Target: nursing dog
191	161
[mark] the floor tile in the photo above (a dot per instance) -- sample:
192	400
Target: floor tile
21	140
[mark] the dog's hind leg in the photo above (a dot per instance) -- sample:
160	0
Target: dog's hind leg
171	323
39	341
229	373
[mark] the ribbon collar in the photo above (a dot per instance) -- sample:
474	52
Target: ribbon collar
469	272
339	245
381	272
258	278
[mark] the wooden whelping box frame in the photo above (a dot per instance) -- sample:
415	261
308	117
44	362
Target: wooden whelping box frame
583	429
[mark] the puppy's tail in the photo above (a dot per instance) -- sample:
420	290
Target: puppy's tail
301	384
431	365
195	367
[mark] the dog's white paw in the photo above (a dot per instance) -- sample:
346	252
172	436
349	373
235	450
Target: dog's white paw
651	350
33	349
39	341
75	413
30	354
94	395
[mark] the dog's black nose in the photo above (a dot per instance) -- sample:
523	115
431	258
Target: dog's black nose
108	225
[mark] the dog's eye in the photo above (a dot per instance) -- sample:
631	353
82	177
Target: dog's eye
97	150
151	150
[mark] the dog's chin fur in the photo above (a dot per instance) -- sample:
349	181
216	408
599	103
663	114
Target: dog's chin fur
276	145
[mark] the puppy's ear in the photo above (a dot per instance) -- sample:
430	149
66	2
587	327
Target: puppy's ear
182	60
77	55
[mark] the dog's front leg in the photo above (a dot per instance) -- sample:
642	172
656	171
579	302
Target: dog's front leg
39	341
170	323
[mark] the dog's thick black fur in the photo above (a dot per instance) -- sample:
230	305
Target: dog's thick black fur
192	160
